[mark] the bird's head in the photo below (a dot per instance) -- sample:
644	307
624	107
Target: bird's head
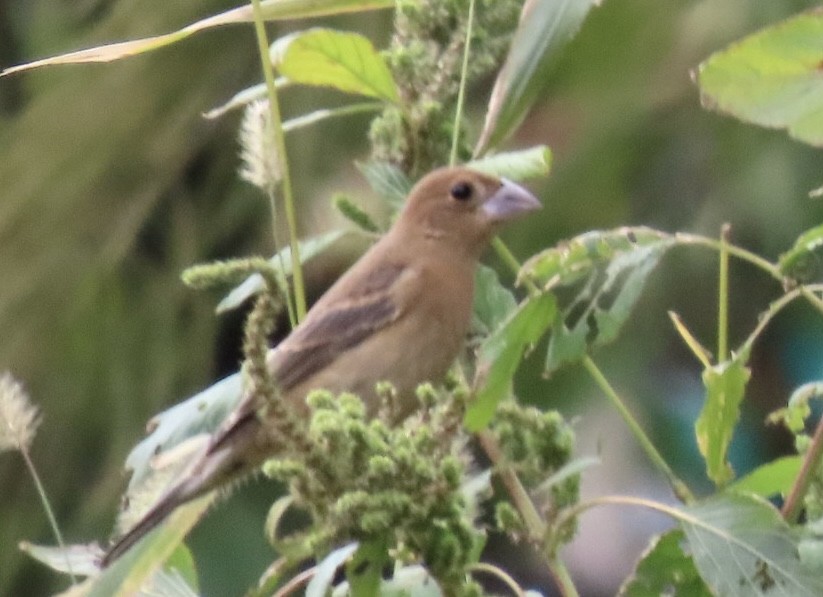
463	208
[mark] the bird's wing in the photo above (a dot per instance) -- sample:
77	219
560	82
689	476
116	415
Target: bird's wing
341	324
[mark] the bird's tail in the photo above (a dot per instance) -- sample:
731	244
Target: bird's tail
149	522
232	453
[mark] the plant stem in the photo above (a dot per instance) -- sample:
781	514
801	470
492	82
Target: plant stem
811	463
680	489
275	122
531	517
461	91
723	296
756	260
41	491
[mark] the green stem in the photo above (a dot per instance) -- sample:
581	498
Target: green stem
723	296
712	243
41	491
811	463
275	122
680	489
461	92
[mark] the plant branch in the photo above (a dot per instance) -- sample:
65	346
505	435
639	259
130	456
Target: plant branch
811	463
461	91
275	124
723	296
531	517
679	487
712	243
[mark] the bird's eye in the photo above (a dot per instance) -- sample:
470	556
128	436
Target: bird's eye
462	191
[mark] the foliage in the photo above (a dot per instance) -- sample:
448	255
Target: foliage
379	494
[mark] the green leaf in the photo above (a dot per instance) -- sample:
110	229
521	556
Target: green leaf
742	547
79	560
604	272
326	570
802	262
344	61
771	78
273	10
546	26
500	355
253	284
725	386
773	478
242	98
493	302
387	180
517	165
665	569
137	569
200	414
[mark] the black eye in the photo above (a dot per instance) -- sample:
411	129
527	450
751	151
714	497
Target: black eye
462	191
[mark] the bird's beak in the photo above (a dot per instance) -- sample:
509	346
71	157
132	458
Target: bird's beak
509	201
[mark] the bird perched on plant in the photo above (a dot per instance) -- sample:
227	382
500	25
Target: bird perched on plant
400	314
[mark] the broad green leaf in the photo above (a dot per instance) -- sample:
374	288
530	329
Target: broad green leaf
254	283
773	478
802	262
725	385
387	180
545	27
273	10
517	165
344	61
771	78
665	569
493	302
603	273
572	260
136	569
743	547
500	355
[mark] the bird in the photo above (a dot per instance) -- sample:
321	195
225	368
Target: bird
400	314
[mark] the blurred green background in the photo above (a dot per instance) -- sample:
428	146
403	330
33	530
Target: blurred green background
111	183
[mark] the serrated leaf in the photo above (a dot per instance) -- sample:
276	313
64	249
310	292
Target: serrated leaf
273	10
802	262
604	272
387	180
342	60
665	569
253	284
493	302
743	547
545	27
771	78
725	386
770	479
516	165
500	355
574	259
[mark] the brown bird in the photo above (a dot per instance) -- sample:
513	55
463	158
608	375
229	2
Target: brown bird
400	314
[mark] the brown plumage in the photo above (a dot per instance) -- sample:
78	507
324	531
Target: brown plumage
400	314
